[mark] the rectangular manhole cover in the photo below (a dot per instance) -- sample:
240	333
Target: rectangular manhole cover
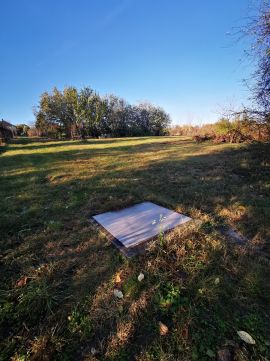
134	225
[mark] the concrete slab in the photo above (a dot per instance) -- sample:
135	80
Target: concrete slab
135	225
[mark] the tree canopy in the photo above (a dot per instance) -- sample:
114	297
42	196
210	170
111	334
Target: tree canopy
82	113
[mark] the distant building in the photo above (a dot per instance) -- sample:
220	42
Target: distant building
7	130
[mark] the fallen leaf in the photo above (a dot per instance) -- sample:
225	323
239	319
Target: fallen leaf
210	353
140	277
246	337
217	280
118	294
163	329
25	326
118	277
93	351
185	333
22	281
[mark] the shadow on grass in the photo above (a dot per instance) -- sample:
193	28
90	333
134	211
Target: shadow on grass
39	159
212	183
52	143
44	222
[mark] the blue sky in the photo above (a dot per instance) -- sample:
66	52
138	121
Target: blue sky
174	53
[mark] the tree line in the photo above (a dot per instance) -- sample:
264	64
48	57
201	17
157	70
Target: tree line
82	113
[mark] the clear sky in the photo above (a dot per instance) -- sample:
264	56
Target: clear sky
174	53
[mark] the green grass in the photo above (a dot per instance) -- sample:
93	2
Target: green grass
196	282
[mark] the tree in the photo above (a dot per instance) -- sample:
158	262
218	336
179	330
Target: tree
152	120
159	121
117	116
67	102
57	110
22	129
258	29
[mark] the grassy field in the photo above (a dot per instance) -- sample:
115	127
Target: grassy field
58	271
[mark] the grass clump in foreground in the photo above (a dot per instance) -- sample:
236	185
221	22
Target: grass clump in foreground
58	272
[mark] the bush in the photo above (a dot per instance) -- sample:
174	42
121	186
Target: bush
226	131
